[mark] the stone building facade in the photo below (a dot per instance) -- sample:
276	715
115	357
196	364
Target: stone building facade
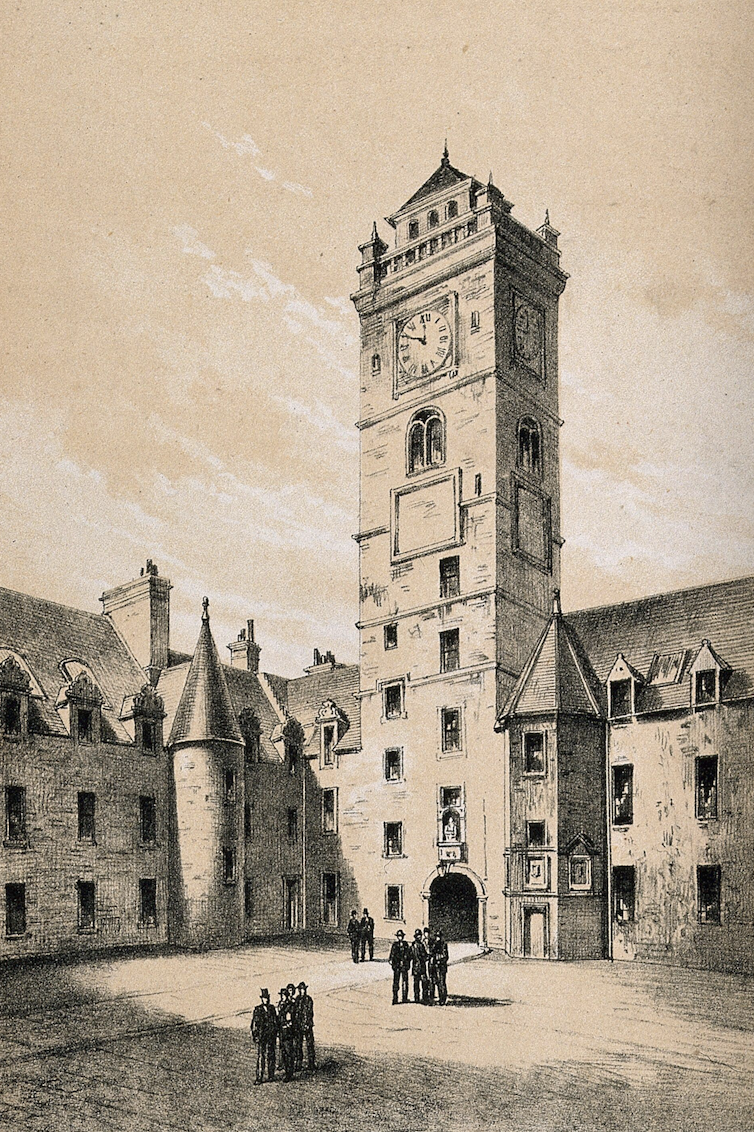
568	786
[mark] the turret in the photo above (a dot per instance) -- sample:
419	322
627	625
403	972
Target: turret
207	863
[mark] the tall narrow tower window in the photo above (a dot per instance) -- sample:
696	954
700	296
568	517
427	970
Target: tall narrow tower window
433	220
426	441
530	446
376	364
413	229
452	209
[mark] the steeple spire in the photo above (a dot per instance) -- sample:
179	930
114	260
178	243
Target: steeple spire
445	154
205	711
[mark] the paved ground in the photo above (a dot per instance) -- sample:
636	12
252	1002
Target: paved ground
161	1043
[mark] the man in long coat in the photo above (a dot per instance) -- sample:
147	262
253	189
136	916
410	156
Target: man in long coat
264	1032
438	962
418	966
400	961
303	1017
367	935
354	934
287	1030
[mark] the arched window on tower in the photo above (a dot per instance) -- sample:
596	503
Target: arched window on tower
530	446
426	440
452	209
433	220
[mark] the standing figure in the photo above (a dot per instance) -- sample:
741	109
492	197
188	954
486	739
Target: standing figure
354	934
439	961
419	966
430	983
303	1016
264	1032
400	961
367	935
287	1030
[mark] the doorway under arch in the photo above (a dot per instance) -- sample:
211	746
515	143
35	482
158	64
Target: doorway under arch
454	908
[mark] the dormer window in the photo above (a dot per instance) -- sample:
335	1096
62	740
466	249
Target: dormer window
12	715
413	229
621	688
147	711
15	688
85	725
708	674
426	441
452	209
706	686
433	220
293	738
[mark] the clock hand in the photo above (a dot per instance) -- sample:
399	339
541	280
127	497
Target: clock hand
413	338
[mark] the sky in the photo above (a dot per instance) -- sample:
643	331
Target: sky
184	190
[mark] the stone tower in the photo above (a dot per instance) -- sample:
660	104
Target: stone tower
459	536
207	844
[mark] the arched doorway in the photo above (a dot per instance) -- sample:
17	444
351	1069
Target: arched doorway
454	908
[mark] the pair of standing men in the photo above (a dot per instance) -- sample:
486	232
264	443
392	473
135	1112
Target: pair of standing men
427	960
292	1023
361	935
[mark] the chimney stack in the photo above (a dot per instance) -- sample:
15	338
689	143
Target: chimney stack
244	652
140	611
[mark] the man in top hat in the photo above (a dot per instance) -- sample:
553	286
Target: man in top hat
264	1032
400	961
287	1029
366	931
419	966
303	1016
354	934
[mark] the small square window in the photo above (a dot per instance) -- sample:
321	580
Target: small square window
580	873
706	686
478	484
394	902
708	890
148	903
706	788
475	322
390	635
329	811
12	715
534	752
85	893
15	909
330	899
624	893
451	796
450	576
229	785
85	725
620	698
393	839
535	834
229	865
147	820
328	744
536	872
451	729
393	700
450	650
623	794
15	813
393	764
86	812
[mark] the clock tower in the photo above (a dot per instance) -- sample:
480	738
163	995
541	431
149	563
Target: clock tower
459	540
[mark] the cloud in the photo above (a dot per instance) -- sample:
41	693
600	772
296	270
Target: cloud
191	243
302	190
248	147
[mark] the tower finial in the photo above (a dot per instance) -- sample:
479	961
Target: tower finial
375	235
445	154
490	182
556	610
205	609
547	216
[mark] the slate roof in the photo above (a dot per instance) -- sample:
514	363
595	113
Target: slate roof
557	677
668	623
205	711
444	177
339	683
46	634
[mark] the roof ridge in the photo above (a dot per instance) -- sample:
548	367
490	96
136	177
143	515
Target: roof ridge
662	593
98	616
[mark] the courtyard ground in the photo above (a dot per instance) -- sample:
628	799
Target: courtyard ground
161	1042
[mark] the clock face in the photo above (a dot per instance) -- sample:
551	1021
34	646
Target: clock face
527	331
424	344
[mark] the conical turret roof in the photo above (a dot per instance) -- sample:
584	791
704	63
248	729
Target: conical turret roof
205	711
557	676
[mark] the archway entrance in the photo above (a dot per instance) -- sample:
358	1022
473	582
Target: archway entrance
453	908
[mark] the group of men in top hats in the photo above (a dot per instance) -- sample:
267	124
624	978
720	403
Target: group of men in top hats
291	1025
427	960
361	935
